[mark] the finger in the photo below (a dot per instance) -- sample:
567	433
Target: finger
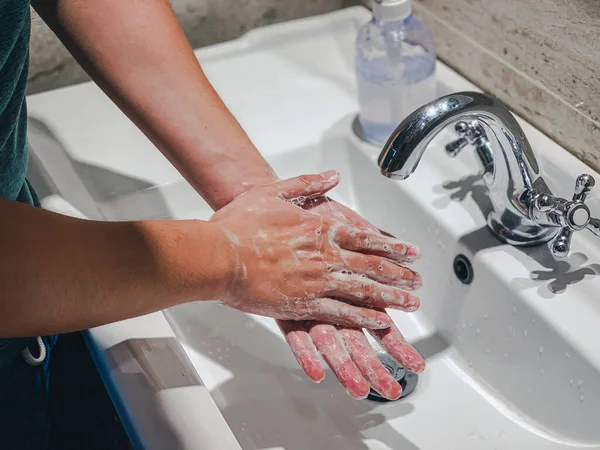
378	269
331	346
394	343
374	243
366	292
303	349
366	360
305	186
340	313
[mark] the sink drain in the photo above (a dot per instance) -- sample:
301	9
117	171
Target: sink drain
407	380
463	269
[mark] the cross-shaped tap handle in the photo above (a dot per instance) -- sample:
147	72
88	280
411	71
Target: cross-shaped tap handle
575	216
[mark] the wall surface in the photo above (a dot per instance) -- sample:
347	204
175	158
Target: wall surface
204	22
541	57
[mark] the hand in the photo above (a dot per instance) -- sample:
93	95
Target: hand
347	350
295	264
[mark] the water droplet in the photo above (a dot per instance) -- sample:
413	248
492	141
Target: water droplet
514	311
582	398
542	372
477	331
464	326
525	332
485	316
567	354
510	329
533	320
529	391
541	350
488	351
506	355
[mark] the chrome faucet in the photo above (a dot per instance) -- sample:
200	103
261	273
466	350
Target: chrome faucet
525	212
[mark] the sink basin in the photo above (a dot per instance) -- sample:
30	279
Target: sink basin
513	360
494	359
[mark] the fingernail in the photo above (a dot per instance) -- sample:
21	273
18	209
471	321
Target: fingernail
413	303
383	321
414	252
418	365
330	174
417	281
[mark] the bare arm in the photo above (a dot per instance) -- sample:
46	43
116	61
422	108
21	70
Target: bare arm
135	50
61	274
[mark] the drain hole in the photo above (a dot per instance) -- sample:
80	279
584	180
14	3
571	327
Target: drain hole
463	269
407	380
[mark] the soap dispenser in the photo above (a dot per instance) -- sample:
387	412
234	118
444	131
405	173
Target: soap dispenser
395	68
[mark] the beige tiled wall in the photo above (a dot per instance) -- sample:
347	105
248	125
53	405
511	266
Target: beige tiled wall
204	22
541	57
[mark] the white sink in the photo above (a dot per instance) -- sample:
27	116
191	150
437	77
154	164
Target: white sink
494	358
513	358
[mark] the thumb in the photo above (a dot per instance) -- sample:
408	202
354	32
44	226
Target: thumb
306	185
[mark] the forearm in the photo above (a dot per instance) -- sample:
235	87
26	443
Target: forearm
137	53
60	274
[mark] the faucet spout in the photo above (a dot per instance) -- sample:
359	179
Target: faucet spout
510	169
405	147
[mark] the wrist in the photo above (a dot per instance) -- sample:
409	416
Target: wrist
195	259
220	187
252	178
226	263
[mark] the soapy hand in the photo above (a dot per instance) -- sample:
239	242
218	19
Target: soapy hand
347	350
291	263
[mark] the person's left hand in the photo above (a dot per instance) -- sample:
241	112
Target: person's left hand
347	350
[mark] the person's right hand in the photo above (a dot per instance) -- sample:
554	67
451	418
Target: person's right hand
297	265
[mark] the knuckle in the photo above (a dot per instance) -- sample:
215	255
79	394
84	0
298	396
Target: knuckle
346	313
371	290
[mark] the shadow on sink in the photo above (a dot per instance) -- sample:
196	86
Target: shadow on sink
93	190
558	273
267	388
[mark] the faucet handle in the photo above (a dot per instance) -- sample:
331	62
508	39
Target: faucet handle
583	186
454	147
468	132
570	215
462	128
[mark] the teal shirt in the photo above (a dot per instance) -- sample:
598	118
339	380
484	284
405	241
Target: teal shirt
15	25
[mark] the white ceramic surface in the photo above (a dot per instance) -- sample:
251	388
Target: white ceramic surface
513	359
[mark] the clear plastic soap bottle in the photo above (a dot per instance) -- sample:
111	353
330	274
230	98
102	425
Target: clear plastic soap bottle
395	68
